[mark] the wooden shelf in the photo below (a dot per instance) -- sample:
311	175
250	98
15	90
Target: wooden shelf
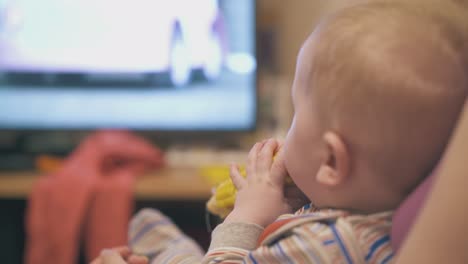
164	184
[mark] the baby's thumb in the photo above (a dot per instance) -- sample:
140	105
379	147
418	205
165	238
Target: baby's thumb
109	256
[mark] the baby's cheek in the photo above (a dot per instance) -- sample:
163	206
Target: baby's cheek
288	157
303	173
292	164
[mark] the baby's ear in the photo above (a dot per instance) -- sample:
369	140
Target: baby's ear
335	167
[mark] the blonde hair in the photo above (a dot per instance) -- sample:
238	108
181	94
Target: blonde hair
391	78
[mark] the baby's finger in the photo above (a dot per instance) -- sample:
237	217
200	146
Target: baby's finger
124	251
265	158
236	177
134	259
252	160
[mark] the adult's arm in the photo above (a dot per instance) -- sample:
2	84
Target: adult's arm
440	234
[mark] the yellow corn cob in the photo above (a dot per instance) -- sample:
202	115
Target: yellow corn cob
222	202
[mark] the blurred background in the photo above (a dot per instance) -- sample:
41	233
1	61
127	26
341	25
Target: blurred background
213	78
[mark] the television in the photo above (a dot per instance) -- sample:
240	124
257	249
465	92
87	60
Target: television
149	65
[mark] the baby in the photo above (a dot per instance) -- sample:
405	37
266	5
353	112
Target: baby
377	92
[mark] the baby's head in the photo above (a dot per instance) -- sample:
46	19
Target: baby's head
377	92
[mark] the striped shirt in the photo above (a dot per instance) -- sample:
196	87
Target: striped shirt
308	236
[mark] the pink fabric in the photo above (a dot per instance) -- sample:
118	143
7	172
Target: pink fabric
407	212
90	198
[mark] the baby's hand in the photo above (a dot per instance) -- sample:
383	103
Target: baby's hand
119	255
260	197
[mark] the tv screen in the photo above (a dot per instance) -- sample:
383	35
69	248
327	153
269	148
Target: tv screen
149	65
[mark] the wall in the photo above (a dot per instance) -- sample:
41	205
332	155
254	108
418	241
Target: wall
290	22
293	20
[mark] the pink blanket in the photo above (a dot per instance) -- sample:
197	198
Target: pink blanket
88	200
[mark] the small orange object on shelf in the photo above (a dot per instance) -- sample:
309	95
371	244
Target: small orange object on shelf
48	163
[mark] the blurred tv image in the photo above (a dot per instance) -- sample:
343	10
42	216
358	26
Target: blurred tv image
148	64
